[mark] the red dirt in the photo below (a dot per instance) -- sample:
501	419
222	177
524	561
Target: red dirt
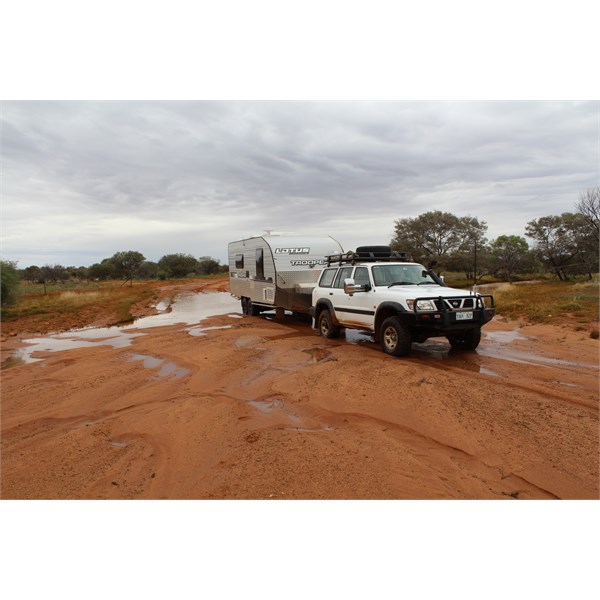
268	409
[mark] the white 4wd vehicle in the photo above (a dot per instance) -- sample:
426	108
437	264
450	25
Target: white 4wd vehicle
400	302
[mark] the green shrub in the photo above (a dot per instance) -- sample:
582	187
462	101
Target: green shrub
9	280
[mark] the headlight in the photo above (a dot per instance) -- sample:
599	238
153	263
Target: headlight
421	305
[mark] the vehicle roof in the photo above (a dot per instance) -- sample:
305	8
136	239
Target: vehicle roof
376	263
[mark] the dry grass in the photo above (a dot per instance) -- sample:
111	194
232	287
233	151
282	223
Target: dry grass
550	302
81	304
113	297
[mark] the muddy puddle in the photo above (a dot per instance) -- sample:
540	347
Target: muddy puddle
191	309
494	344
186	309
275	413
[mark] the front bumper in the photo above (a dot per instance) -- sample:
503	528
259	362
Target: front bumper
455	314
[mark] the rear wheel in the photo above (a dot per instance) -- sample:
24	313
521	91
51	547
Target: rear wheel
248	308
396	338
465	340
325	325
253	310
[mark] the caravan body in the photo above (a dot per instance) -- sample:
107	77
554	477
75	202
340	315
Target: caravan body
271	271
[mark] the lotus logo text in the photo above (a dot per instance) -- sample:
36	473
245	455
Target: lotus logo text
292	250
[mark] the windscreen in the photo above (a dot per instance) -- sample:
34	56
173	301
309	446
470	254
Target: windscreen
401	275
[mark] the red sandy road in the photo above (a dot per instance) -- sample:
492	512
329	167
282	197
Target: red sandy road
271	410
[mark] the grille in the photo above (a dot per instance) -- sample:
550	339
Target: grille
454	303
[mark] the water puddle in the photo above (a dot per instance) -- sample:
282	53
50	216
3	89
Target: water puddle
186	309
166	367
504	337
526	358
189	309
115	337
274	413
118	444
356	336
486	371
199	331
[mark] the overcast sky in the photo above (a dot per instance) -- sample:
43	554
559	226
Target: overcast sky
83	180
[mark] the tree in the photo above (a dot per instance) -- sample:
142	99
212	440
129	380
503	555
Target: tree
103	270
588	208
208	267
9	282
31	274
52	274
434	236
126	264
78	273
508	253
178	265
148	270
558	242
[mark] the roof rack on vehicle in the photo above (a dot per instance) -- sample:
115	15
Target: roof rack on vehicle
368	254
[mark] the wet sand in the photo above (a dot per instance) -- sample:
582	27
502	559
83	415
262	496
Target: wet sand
256	408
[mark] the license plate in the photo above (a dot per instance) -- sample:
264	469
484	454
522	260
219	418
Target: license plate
464	316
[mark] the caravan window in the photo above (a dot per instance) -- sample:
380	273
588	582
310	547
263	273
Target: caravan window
239	261
260	264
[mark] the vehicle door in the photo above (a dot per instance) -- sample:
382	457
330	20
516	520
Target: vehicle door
354	310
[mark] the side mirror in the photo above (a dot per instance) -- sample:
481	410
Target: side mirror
351	288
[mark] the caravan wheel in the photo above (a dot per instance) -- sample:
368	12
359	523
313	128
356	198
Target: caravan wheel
251	309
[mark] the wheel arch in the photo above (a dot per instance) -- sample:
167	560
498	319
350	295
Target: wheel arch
325	304
385	310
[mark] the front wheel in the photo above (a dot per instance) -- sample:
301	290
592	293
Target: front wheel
326	327
465	340
396	338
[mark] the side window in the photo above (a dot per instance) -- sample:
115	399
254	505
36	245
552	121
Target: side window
343	273
260	264
361	276
327	277
239	261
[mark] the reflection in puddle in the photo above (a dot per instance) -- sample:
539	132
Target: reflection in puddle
199	331
188	309
265	407
504	337
525	358
73	340
486	371
356	336
166	367
274	413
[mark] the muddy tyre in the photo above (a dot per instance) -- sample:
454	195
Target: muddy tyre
395	337
465	340
326	327
248	308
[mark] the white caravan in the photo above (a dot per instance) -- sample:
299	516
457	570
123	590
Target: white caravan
273	271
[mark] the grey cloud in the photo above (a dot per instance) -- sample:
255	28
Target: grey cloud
300	165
